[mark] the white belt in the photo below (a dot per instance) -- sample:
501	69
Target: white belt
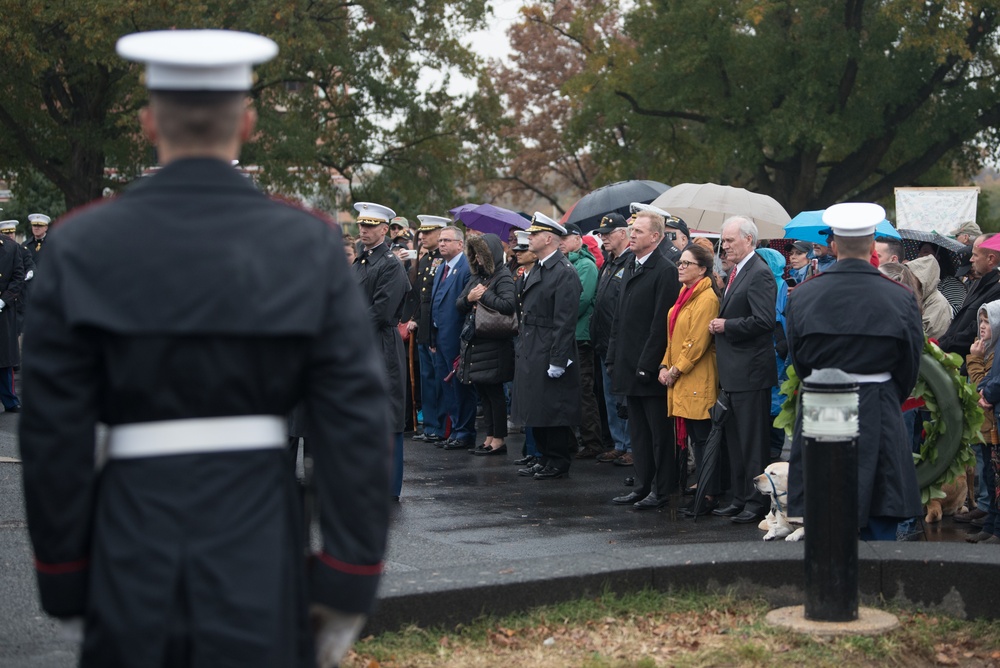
185	437
871	377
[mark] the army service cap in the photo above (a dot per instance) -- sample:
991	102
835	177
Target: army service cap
370	213
38	219
197	60
542	223
431	223
853	219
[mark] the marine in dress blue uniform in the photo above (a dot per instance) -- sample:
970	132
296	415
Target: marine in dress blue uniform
854	319
186	548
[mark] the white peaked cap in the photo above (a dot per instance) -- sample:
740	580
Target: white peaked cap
198	60
428	223
370	213
853	219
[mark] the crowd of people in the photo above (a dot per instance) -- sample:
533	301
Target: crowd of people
617	343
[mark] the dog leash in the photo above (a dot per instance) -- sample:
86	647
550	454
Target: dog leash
774	492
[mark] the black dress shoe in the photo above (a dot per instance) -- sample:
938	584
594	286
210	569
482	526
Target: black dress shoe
728	511
502	450
526	461
551	473
747	517
650	502
13	409
530	470
628	499
458	444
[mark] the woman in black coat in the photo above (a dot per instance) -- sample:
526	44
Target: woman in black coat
487	363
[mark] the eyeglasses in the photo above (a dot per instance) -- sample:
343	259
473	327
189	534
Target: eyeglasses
684	264
442	240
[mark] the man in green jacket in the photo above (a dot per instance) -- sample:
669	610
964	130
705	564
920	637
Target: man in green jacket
579	256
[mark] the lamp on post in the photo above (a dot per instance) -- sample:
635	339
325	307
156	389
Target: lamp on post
830	482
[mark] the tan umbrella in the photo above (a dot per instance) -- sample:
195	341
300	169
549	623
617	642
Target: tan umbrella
704	206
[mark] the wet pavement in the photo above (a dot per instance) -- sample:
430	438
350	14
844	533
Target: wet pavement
458	509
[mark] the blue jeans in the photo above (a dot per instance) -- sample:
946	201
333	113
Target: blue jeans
982	491
430	394
617	426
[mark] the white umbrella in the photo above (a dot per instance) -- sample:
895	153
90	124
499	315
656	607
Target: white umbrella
705	206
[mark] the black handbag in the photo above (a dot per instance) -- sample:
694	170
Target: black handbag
492	324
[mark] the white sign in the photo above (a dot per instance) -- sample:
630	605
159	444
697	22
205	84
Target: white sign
941	210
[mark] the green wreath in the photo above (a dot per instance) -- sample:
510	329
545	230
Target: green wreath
955	419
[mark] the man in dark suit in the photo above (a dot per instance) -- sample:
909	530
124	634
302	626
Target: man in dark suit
638	341
458	400
12	281
747	369
546	394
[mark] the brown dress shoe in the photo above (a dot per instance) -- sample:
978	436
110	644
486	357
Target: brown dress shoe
624	460
965	518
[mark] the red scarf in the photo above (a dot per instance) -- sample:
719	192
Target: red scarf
682	299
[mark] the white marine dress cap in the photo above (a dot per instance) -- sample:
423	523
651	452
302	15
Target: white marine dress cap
853	219
428	223
370	213
197	60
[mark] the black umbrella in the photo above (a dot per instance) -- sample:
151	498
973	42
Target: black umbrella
614	198
947	251
709	469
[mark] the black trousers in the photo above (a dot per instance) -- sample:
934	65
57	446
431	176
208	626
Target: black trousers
590	427
748	441
653	451
556	445
494	408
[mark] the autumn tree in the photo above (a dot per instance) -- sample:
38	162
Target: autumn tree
343	94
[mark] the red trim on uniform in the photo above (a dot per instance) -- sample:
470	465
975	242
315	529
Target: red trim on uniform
61	569
350	569
298	204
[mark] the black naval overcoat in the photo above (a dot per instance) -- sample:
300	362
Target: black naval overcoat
852	318
11	284
550	300
177	300
384	284
22	299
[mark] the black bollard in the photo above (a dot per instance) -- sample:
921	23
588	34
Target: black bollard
830	482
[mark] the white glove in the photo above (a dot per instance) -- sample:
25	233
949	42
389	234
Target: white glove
70	629
2	304
556	371
29	275
335	633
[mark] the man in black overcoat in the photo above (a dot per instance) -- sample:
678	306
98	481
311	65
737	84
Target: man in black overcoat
12	280
8	228
186	546
546	393
964	326
638	340
747	370
384	285
854	319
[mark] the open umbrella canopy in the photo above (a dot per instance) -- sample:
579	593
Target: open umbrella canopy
809	225
945	249
705	206
487	218
614	198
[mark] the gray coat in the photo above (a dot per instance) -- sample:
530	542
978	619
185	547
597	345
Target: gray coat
549	303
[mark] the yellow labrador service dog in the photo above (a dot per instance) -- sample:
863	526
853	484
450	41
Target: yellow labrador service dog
773	482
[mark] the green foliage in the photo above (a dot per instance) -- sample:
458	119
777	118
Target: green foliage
346	93
790	407
32	193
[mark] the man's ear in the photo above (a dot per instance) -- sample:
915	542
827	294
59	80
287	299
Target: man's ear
248	124
148	124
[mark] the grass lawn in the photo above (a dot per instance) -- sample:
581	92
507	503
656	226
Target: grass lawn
649	629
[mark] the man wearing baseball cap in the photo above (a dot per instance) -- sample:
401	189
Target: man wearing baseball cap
186	547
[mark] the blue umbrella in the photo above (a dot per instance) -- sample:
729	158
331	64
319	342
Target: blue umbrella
488	218
807	226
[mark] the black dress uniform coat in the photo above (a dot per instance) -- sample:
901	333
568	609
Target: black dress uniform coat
427	269
11	284
550	300
22	299
852	318
384	284
609	283
177	300
34	247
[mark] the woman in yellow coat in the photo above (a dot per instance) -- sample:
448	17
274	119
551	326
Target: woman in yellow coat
688	368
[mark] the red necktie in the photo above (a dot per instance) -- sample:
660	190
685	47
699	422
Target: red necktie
732	277
444	274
